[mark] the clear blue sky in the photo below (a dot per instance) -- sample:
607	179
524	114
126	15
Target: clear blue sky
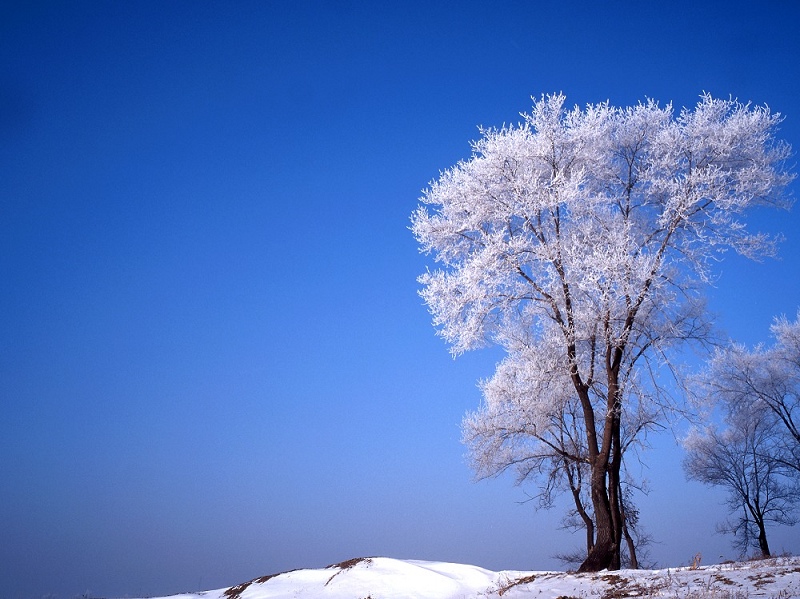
213	361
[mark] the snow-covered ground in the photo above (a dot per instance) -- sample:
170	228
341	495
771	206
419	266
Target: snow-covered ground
386	578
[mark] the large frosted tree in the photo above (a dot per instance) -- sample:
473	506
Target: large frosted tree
578	241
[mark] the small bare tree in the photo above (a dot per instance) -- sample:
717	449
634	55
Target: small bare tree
745	459
768	377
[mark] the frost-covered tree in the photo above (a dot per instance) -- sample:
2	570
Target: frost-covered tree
766	376
757	457
577	241
745	459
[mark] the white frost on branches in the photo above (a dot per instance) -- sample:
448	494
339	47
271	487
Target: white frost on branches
577	241
747	458
765	379
617	198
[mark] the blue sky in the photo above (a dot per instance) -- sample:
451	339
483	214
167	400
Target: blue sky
214	364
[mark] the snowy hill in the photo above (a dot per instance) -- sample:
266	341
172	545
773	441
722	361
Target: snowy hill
386	578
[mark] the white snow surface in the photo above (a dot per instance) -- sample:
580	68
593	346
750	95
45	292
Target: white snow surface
387	578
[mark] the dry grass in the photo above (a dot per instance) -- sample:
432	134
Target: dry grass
346	565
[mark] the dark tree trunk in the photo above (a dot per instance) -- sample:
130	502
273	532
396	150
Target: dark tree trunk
606	461
587	521
614	494
634	560
616	527
574	480
605	545
589	535
634	565
762	539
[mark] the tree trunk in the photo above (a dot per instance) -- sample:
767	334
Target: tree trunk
634	561
605	545
615	494
634	565
575	489
605	482
587	521
589	535
762	539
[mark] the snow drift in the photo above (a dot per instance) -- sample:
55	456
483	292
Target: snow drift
387	578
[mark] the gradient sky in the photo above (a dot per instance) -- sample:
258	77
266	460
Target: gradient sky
214	364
